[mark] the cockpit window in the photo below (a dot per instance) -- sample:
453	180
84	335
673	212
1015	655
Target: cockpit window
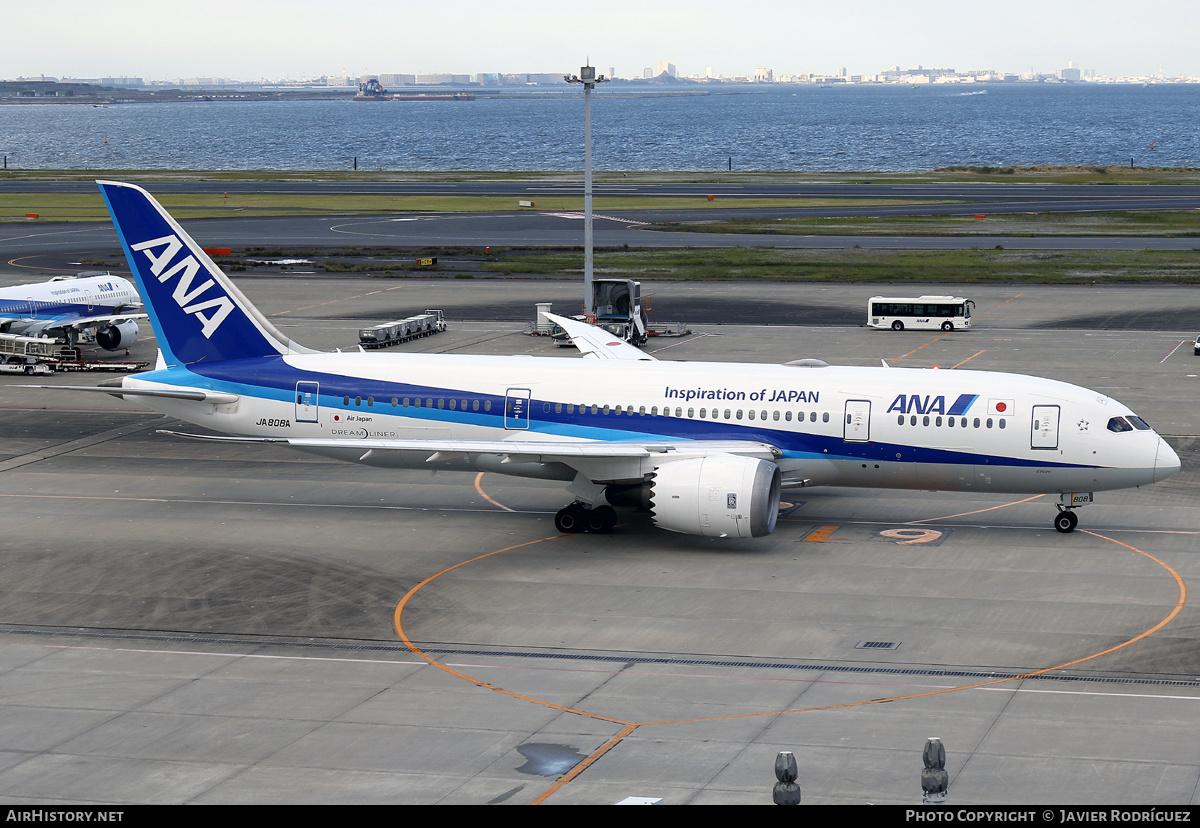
1138	423
1119	424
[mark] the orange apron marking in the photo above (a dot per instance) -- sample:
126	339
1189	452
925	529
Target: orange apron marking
976	512
479	488
629	727
821	535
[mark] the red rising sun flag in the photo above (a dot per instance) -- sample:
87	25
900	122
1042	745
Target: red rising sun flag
1000	407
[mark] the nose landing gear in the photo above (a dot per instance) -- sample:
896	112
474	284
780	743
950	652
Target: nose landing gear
1066	520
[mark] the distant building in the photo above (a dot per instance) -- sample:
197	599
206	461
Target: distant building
668	67
764	75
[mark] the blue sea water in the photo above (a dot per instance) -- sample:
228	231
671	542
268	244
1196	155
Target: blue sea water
790	128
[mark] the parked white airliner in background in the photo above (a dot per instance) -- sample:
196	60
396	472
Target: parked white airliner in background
708	447
100	309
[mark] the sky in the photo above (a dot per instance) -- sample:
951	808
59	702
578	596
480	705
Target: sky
251	39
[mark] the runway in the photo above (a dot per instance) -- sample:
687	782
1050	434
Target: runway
184	622
556	222
958	197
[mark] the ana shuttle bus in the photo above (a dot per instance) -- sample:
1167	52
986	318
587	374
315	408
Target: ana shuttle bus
923	312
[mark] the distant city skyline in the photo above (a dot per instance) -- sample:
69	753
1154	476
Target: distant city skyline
272	39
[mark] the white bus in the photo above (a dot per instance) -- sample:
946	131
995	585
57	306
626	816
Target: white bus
929	312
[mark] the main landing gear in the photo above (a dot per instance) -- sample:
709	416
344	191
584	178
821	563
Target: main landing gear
579	518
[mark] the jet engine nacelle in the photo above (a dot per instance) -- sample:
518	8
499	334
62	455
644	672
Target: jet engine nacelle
119	335
720	496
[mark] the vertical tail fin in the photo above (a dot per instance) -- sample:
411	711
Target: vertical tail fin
197	313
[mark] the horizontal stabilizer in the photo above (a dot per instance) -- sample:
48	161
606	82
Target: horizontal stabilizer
221	438
192	395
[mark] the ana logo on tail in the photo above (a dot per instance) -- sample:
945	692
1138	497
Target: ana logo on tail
220	306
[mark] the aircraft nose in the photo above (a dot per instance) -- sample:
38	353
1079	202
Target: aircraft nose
1166	461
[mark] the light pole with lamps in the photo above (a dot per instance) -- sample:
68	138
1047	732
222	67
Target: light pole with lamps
587	76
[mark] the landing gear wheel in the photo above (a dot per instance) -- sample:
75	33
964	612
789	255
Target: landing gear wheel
1066	522
601	520
947	326
897	325
571	519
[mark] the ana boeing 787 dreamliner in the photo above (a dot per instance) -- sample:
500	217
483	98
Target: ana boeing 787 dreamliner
707	447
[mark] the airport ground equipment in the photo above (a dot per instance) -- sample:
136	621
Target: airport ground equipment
16	364
25	354
386	334
41	355
620	310
34	347
71	359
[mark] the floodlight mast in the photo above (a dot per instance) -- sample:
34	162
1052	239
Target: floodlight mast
588	77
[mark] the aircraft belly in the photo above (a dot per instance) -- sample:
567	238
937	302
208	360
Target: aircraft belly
872	473
1024	479
950	477
810	471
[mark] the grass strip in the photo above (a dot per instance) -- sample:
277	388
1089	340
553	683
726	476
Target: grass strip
1167	223
862	265
87	207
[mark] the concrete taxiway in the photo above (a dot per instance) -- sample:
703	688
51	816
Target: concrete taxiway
186	622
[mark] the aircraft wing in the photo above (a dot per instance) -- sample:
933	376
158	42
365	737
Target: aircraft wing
598	461
597	343
73	321
89	321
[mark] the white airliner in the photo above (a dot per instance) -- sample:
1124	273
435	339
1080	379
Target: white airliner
97	308
708	447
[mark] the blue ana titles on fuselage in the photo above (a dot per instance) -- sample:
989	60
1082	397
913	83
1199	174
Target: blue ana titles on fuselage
777	395
927	404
